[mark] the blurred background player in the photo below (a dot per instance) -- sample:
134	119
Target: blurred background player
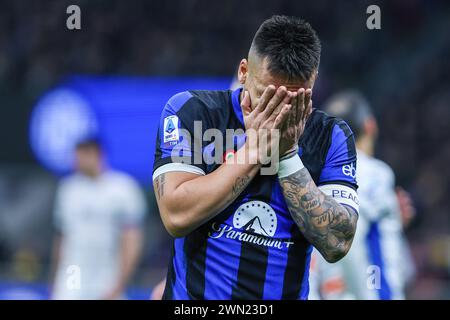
378	265
98	216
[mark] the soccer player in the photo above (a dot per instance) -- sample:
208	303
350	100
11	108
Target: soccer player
241	233
378	264
98	216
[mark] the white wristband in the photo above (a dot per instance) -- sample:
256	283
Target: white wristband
290	166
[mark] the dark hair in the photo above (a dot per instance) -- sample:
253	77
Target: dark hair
352	107
291	46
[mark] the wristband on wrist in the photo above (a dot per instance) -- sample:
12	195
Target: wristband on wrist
290	154
289	166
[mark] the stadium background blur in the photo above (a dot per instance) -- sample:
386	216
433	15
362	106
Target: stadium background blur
403	69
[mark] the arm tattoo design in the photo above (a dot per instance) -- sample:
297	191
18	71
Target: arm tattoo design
326	224
159	185
239	185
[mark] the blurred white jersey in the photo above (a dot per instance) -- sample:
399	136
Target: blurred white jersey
90	214
376	265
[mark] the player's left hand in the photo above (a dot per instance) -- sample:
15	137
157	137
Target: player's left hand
295	124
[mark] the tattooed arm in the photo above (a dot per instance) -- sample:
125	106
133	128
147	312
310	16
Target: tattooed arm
188	200
326	224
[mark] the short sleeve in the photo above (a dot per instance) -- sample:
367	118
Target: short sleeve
175	145
340	162
338	176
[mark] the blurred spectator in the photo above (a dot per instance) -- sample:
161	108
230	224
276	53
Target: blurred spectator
98	215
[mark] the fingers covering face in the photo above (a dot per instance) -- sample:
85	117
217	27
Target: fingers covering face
276	101
282	116
307	104
265	98
303	105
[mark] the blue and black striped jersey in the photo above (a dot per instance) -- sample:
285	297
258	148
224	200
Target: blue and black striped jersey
252	249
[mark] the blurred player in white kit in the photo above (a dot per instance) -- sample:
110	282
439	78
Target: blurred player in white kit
378	265
98	216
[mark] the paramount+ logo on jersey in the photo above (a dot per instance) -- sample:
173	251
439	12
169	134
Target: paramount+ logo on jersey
256	217
254	222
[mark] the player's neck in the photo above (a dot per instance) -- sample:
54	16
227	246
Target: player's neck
366	145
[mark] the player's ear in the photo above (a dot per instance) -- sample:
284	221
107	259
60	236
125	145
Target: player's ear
243	71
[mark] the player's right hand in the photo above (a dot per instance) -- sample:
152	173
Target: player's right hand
269	112
295	125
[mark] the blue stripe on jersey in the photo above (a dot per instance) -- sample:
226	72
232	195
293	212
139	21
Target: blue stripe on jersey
374	246
171	108
304	289
276	266
177	101
338	156
179	263
221	274
277	259
237	105
338	137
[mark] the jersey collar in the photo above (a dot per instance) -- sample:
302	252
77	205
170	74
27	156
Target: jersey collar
237	105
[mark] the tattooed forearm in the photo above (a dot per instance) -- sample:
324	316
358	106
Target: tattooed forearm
159	185
329	226
239	184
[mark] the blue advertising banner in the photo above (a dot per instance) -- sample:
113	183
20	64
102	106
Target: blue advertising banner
123	112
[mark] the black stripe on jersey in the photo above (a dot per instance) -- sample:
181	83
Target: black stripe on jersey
351	147
295	267
195	252
170	279
251	273
351	151
254	258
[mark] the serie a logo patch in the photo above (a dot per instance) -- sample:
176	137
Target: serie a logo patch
171	132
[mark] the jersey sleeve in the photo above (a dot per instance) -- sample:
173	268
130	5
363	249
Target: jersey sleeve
175	145
338	176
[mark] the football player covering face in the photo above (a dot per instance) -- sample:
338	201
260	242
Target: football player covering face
240	234
319	214
260	83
